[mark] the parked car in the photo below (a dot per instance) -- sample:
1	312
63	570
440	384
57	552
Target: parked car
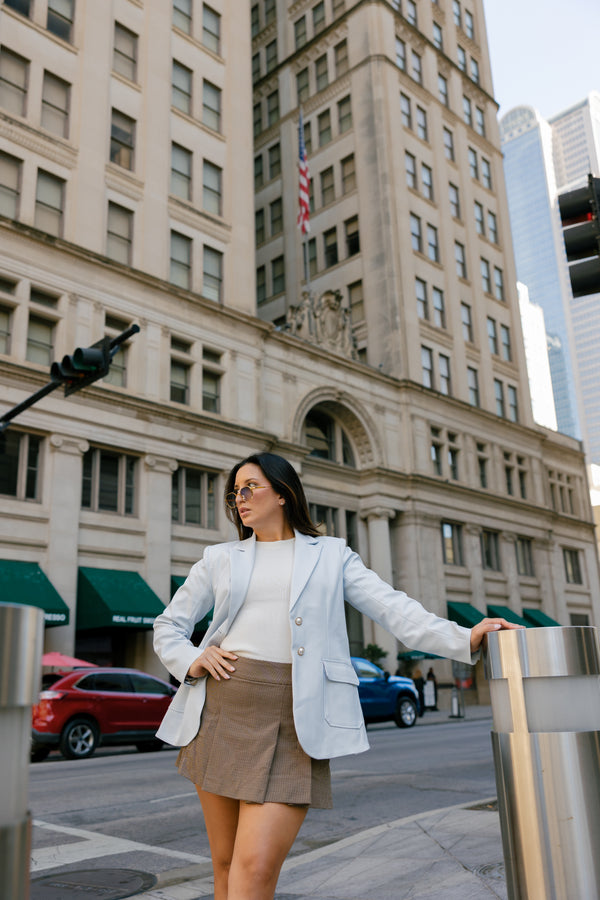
385	697
87	708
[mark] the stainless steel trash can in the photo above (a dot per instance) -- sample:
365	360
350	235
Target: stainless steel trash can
21	635
545	693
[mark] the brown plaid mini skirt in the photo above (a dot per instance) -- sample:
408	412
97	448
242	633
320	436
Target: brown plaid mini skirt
247	748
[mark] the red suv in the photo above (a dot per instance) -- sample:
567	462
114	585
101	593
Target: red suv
89	707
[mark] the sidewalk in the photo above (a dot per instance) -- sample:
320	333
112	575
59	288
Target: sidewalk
447	854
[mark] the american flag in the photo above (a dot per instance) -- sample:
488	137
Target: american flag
303	198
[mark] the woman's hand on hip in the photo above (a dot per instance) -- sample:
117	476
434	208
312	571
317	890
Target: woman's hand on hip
212	661
479	631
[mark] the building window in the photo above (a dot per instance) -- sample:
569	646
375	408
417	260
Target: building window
426	367
300	32
179	382
10	185
422	301
327	439
522	476
273	108
356	302
312	257
55	105
122	139
274	160
439	308
20	6
499	397
271	55
327	186
490	550
436	452
352	235
257	118
509	474
259	226
181	88
482	464
125	52
422	131
416	67
469	26
410	11
460	259
212	274
108	482
427	181
261	284
344	115
473	163
445	382
348	174
5	323
406	111
182	15
180	272
19	465
479	219
513	405
486	281
456	13
302	87
211	382
212	177
438	38
505	343
498	284
467	322
467	111
181	172
448	144
318	17
340	56
473	386
572	566
255	67
211	106
270	12
308	138
433	246
14	71
443	90
276	216
452	544
454	198
492	336
474	71
60	18
49	203
119	234
416	234
117	374
410	166
40	341
486	173
479	121
321	73
194	497
331	247
278	275
401	54
492	227
211	29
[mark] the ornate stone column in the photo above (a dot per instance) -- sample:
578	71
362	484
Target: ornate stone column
158	472
380	560
64	503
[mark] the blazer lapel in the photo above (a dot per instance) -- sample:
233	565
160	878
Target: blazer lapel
241	560
306	555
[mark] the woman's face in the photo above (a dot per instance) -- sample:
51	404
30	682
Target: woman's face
263	511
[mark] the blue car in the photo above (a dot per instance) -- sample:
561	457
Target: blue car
385	697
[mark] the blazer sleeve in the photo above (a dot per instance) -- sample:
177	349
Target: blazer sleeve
404	617
173	628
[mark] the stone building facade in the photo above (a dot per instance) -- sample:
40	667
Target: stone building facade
112	493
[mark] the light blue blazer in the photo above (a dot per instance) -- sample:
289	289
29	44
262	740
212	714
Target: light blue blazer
326	572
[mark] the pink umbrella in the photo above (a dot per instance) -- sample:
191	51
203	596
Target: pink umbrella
59	659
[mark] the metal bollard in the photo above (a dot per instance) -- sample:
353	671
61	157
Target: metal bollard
21	637
545	693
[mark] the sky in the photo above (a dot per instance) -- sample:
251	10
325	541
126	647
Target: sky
544	53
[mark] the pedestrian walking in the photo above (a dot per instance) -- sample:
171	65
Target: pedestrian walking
270	695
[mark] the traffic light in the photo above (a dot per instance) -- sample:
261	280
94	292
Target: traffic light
84	366
580	219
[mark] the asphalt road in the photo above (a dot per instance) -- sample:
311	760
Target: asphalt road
125	809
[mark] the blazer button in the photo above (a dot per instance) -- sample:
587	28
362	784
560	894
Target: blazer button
300	651
298	621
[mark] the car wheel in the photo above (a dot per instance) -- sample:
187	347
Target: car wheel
406	712
39	752
79	739
149	746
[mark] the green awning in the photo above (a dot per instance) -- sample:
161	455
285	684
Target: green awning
24	582
109	597
176	582
464	614
539	619
497	611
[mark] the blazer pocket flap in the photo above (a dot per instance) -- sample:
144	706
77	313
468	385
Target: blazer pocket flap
340	670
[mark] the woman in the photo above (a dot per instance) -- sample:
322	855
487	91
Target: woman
270	694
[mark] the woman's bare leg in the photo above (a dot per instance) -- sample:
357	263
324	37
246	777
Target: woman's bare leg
264	837
221	820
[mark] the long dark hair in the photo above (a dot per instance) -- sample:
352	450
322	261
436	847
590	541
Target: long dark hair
284	479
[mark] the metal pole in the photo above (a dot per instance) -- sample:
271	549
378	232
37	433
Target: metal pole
21	639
